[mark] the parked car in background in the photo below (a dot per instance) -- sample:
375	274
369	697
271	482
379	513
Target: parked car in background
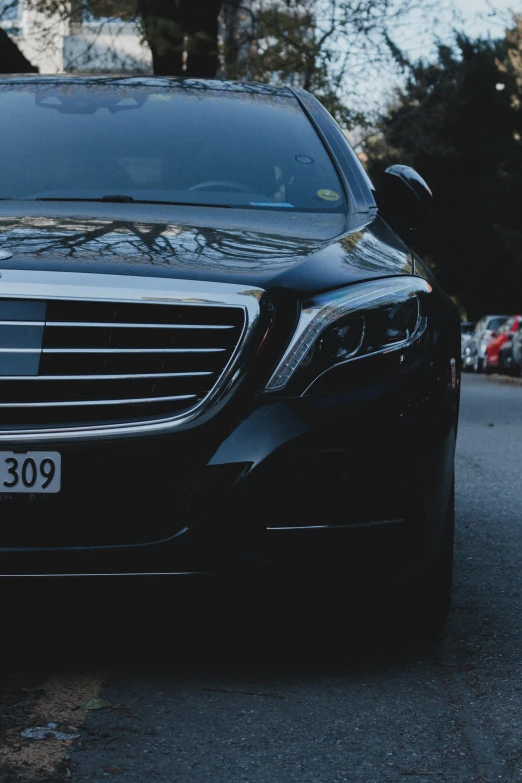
516	362
466	332
480	340
509	342
493	362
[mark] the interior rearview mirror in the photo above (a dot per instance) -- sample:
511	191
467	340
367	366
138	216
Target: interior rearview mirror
404	198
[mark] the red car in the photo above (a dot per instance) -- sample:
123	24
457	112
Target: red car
498	339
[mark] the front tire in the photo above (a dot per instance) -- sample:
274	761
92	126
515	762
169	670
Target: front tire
427	602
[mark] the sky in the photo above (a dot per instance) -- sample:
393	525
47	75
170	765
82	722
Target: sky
475	17
417	35
485	16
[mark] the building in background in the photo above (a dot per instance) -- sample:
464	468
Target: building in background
88	40
102	36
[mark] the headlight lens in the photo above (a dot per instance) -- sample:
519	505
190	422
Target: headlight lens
358	321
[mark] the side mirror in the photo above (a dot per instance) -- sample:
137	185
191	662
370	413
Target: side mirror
404	198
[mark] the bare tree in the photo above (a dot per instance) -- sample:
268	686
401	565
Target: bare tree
331	47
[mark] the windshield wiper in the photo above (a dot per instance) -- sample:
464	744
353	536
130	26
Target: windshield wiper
129	200
119	199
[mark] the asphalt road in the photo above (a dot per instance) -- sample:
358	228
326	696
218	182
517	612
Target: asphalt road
159	697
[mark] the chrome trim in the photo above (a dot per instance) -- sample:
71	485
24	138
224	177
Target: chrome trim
126	350
20	350
123	377
85	286
126	325
22	323
371	523
76	403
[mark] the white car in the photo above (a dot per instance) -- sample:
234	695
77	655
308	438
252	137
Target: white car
476	349
466	332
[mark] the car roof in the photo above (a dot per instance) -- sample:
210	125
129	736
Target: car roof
151	81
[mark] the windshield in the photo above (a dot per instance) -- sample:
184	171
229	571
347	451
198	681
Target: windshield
169	143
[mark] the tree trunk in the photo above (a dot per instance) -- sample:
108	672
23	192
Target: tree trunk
202	29
11	58
231	36
182	36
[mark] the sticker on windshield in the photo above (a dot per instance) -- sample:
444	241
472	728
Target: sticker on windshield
328	195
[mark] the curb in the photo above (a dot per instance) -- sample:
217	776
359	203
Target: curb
504	379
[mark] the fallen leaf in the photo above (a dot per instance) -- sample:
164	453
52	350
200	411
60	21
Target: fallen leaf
101	704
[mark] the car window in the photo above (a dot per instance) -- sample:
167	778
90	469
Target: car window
506	326
172	143
495	323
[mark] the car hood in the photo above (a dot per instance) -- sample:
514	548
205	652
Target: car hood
300	251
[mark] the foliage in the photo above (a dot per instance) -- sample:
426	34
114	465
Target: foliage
512	63
458	122
330	47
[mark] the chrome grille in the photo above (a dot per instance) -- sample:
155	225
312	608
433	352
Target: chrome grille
117	361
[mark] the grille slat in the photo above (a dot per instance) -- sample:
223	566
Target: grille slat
20	350
22	323
71	403
105	362
130	364
125	350
79	324
131	376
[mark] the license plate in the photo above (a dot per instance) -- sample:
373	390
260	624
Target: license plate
30	471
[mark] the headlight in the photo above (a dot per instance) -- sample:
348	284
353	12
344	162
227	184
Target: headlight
346	325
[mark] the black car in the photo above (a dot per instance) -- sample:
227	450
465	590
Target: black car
216	356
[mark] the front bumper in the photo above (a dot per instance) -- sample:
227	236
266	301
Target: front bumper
358	479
